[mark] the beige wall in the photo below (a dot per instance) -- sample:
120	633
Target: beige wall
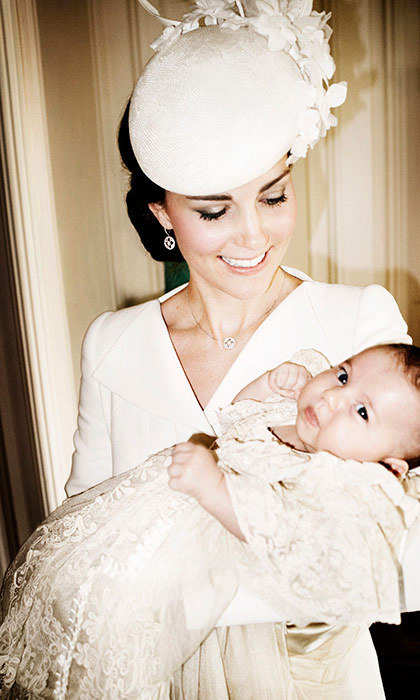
90	56
75	160
360	214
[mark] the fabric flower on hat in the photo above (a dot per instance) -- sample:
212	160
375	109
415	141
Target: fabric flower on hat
168	36
277	29
290	27
336	94
210	11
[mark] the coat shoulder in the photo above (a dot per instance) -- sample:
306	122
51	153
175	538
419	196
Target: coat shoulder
328	297
363	316
107	328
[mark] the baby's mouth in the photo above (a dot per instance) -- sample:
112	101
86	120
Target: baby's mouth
311	416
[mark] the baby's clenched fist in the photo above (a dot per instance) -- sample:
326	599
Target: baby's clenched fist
288	379
193	470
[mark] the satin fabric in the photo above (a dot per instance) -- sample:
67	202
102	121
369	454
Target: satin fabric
257	662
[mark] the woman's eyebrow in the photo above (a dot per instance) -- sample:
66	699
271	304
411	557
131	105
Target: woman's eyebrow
212	197
227	197
275	181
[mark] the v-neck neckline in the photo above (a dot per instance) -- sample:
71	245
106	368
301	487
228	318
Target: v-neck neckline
238	359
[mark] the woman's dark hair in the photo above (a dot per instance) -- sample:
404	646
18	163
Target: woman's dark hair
143	192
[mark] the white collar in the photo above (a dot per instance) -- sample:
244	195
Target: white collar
141	360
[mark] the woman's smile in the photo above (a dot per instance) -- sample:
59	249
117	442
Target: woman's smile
244	265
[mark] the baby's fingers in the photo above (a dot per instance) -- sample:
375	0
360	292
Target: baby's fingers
175	483
302	377
182	452
297	377
185	458
183	448
283	377
278	377
288	379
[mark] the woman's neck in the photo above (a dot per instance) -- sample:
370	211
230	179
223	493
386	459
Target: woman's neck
198	321
221	315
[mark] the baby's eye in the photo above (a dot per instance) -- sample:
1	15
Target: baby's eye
342	376
212	215
361	410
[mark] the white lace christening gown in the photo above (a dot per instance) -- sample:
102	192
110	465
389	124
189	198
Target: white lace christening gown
121	584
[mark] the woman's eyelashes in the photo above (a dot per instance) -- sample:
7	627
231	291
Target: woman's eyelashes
274	201
214	215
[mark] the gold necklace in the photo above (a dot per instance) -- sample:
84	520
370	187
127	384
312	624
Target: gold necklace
229	342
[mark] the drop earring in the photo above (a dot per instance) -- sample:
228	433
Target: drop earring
169	241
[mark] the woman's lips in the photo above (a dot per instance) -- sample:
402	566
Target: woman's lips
311	416
245	265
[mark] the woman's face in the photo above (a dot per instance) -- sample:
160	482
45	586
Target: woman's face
235	241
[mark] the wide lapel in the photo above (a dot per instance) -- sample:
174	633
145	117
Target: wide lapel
142	368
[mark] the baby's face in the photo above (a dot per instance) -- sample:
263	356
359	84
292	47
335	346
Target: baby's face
364	409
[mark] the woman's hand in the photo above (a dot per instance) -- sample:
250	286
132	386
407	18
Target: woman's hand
193	470
288	379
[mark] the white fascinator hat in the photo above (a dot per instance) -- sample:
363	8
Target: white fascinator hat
231	89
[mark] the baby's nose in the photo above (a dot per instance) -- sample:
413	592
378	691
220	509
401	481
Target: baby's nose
334	397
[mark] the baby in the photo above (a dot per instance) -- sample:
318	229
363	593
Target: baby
366	409
119	586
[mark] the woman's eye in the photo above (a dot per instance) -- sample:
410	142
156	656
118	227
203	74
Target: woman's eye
361	410
212	215
342	376
272	201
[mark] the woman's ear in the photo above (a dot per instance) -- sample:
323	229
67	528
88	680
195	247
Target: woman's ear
399	467
158	209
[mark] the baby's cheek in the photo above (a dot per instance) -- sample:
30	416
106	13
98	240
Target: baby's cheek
340	441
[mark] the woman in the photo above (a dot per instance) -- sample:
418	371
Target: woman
215	119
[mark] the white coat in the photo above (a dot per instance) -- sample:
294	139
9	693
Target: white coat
135	398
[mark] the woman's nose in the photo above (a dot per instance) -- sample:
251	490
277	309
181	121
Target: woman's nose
252	233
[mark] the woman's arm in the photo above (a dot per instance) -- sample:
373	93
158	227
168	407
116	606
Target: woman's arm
92	458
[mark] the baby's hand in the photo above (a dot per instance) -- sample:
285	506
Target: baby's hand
288	379
193	470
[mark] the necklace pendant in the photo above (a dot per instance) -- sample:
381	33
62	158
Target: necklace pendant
229	343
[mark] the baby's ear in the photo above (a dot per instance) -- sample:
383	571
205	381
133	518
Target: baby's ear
399	467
